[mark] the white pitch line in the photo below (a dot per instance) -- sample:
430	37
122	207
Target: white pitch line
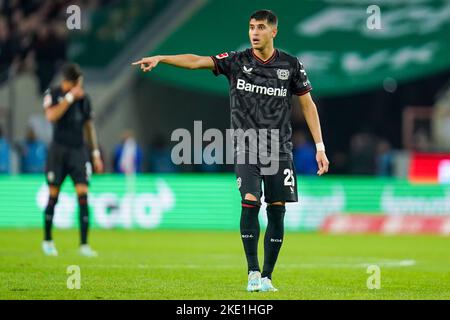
383	263
393	263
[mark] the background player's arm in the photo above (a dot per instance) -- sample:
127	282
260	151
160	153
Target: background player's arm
54	112
187	61
91	136
312	119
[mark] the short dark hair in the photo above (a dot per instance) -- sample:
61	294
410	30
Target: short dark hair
267	15
71	72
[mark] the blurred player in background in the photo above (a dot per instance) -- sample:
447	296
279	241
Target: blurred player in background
262	81
69	109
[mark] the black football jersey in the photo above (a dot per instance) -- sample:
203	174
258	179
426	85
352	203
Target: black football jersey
261	91
68	130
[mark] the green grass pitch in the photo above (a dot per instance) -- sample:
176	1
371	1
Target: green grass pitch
211	265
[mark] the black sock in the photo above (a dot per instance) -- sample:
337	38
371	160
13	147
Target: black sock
250	233
273	238
84	217
48	217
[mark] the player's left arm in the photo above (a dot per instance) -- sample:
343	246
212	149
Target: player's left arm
91	136
312	119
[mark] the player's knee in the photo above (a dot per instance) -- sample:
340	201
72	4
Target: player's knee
251	201
82	193
53	192
52	198
279	203
81	189
250	204
250	197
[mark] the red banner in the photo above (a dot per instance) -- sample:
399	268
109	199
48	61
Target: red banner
345	224
429	168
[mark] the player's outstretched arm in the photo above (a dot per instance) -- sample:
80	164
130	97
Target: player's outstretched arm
312	119
187	61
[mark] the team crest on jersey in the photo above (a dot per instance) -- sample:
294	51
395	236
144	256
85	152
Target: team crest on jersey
222	55
239	182
283	74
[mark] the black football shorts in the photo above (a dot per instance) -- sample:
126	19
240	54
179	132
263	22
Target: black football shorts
63	161
278	187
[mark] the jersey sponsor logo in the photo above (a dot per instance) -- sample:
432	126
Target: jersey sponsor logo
247	70
283	74
222	55
270	91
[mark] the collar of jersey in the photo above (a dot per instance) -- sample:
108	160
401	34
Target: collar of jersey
272	58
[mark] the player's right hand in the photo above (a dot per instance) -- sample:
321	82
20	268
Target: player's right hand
147	64
78	92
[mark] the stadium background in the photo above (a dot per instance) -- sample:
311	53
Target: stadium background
365	85
383	98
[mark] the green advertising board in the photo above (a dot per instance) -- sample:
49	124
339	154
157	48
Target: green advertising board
210	202
338	41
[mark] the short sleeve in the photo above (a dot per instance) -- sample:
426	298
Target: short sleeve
300	82
87	109
48	99
223	63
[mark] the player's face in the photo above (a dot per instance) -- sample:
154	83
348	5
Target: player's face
69	84
261	33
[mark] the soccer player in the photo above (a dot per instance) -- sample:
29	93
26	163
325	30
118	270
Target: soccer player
69	109
262	81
